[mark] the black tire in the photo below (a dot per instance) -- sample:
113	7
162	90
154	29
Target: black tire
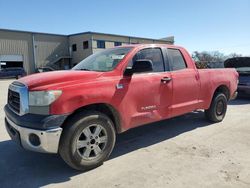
217	109
73	131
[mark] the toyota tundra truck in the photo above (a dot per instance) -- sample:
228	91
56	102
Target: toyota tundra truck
78	113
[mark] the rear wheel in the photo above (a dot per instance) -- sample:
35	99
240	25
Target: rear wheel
87	140
217	109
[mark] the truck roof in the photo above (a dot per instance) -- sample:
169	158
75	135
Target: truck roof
149	45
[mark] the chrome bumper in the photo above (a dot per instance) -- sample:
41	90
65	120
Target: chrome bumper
47	140
234	95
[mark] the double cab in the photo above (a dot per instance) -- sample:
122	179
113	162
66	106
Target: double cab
78	113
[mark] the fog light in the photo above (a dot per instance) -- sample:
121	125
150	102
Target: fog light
34	139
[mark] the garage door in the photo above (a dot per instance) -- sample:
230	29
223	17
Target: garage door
11	61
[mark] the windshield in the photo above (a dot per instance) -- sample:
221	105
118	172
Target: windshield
103	61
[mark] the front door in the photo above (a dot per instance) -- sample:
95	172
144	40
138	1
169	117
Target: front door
148	95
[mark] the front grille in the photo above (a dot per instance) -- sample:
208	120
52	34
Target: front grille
14	100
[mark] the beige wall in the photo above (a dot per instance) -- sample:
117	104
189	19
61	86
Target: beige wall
80	53
109	40
139	41
16	43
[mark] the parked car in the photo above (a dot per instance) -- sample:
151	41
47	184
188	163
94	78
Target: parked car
242	65
11	72
45	69
77	113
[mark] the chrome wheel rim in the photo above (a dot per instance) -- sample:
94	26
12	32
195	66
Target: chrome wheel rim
91	142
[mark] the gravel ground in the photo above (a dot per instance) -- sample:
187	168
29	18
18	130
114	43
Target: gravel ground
182	152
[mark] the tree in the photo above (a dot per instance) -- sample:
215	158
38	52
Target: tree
213	59
214	56
232	55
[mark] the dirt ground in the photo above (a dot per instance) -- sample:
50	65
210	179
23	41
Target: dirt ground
182	152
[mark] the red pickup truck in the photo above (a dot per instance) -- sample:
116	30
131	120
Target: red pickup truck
77	113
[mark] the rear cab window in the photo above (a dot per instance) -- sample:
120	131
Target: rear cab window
176	59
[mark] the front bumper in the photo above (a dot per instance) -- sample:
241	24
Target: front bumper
35	121
45	141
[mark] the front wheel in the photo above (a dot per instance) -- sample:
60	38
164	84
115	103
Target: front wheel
217	109
87	140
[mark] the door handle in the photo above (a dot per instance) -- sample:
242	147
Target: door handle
166	80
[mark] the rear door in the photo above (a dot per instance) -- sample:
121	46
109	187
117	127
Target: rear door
185	80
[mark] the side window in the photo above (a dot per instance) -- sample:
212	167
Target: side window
177	60
100	44
85	44
117	43
74	47
153	54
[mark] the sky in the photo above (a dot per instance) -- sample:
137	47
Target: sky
198	25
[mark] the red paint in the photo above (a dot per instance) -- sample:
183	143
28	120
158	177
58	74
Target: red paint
189	89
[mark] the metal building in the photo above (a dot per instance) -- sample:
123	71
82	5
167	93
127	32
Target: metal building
32	50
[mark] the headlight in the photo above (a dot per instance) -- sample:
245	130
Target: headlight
43	98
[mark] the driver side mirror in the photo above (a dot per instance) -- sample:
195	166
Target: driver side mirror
141	65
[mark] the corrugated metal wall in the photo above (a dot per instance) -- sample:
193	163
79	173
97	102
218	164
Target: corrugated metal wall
13	43
49	48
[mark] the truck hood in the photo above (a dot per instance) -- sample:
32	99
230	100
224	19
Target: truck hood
54	79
